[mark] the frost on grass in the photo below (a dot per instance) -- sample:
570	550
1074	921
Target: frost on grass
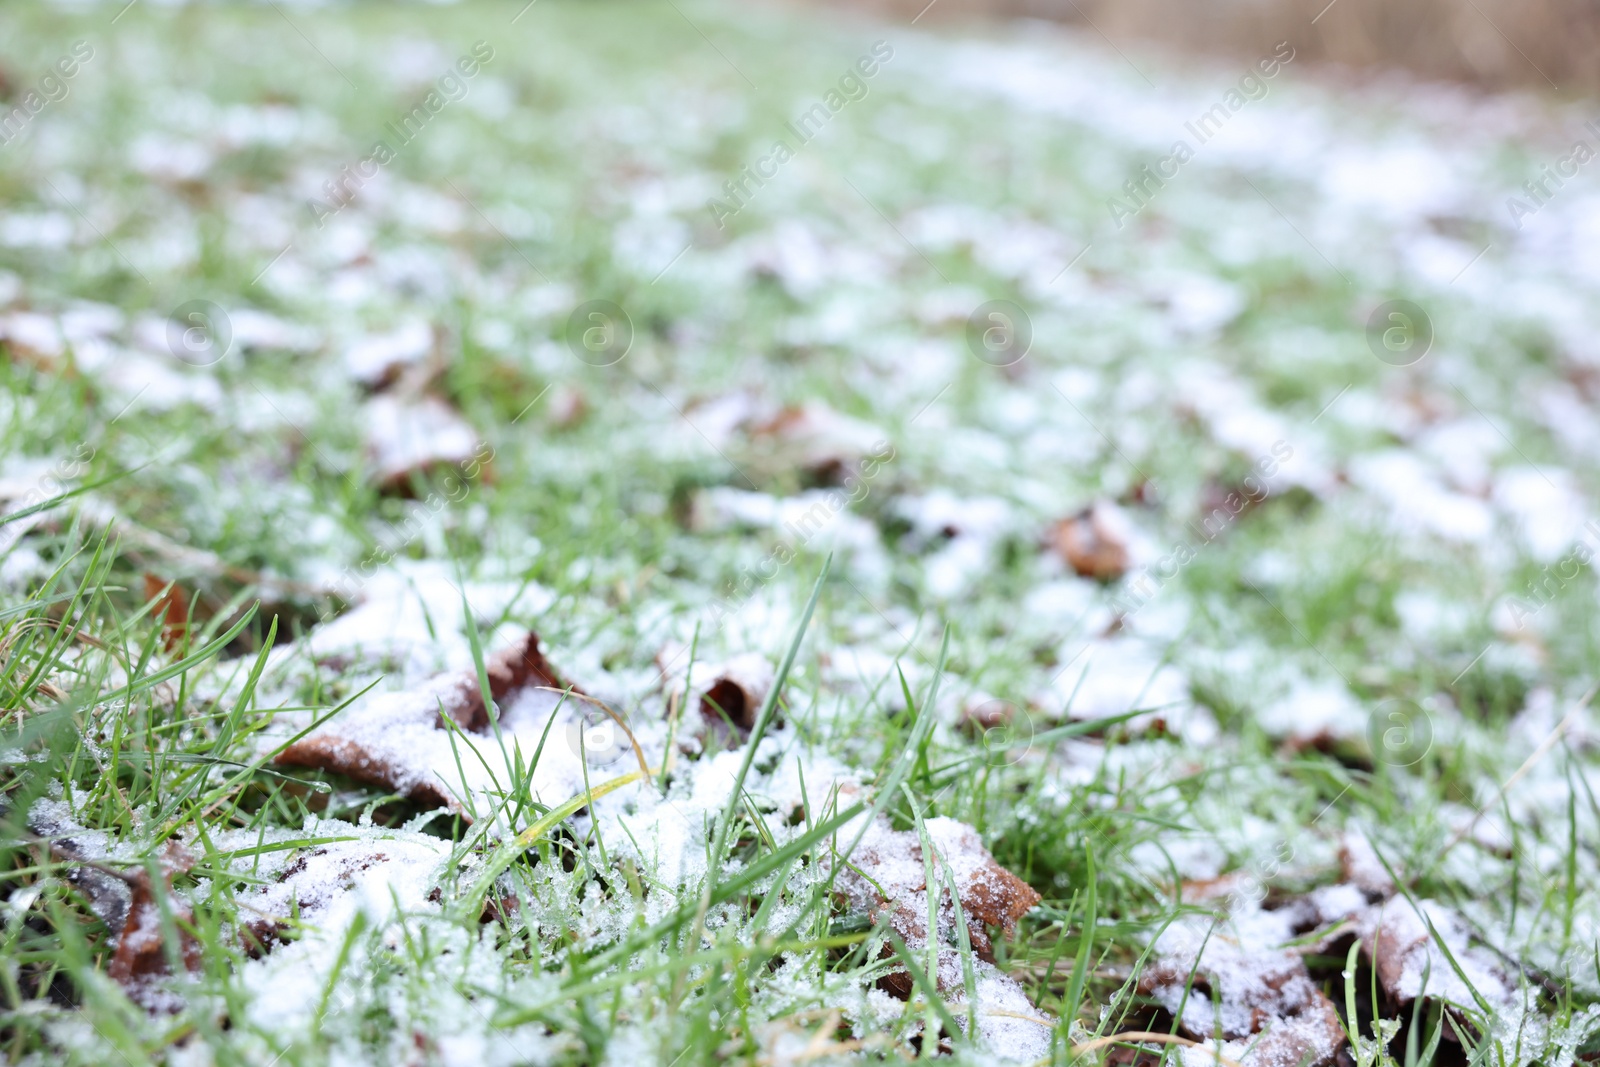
1204	349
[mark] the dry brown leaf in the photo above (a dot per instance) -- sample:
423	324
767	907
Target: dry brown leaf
734	693
730	691
820	441
139	960
1094	542
887	877
417	436
1231	977
399	741
172	610
567	406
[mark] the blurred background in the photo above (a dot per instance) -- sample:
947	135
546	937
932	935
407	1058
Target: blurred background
1540	44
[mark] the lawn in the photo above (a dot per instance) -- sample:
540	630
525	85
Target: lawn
1040	550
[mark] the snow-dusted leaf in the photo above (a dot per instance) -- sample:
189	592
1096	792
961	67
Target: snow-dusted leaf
1231	976
407	437
1412	963
141	959
720	693
886	876
402	741
326	885
1095	541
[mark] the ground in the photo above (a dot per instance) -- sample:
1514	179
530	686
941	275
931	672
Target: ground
1211	539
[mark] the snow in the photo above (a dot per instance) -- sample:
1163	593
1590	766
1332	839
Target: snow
1313	711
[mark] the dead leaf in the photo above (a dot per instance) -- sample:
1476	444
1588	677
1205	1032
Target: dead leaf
1094	542
1230	976
419	436
410	351
736	689
400	741
1362	867
34	340
1395	936
140	960
567	406
324	886
1266	1006
886	876
172	610
824	444
109	891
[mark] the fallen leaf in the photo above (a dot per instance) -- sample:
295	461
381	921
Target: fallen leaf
171	612
416	437
567	406
379	360
1094	542
1253	988
139	960
400	740
826	445
109	892
1362	867
886	876
1410	963
323	887
1230	976
734	693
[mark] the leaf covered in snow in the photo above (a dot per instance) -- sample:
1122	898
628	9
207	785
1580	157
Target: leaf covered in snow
1235	979
435	743
887	876
324	886
406	437
142	956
